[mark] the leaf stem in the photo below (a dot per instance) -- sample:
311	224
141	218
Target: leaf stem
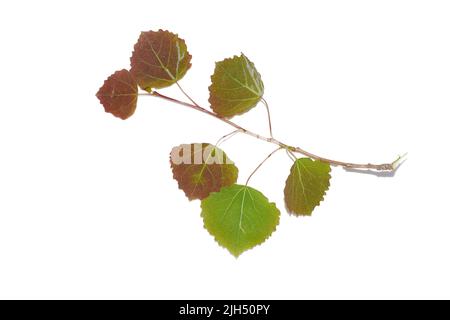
291	155
227	136
268	116
186	95
349	165
262	162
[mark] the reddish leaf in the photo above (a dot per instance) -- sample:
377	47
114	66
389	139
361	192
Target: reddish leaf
118	95
201	168
159	59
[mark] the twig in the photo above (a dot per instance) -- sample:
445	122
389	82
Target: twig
381	167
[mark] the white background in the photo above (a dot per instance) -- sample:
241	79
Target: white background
88	206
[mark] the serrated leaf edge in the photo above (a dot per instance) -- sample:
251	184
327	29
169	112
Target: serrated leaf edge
259	95
317	205
190	198
273	204
136	94
189	65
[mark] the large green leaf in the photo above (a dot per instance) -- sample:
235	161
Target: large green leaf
236	87
306	186
159	59
201	168
118	95
239	217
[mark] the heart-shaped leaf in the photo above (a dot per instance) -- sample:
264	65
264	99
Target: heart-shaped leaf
236	87
239	217
201	168
118	95
159	59
306	186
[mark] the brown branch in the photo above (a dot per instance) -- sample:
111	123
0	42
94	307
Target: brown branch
381	167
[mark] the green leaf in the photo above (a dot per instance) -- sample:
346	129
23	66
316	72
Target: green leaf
159	59
201	168
306	186
118	95
236	87
239	217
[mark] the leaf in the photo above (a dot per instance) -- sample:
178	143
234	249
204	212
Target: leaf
239	217
118	95
306	186
159	59
201	168
236	87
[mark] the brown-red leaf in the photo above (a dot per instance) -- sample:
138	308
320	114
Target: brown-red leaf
201	168
119	93
159	59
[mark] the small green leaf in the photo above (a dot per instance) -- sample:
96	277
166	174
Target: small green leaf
118	95
201	168
239	217
306	186
159	59
236	87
